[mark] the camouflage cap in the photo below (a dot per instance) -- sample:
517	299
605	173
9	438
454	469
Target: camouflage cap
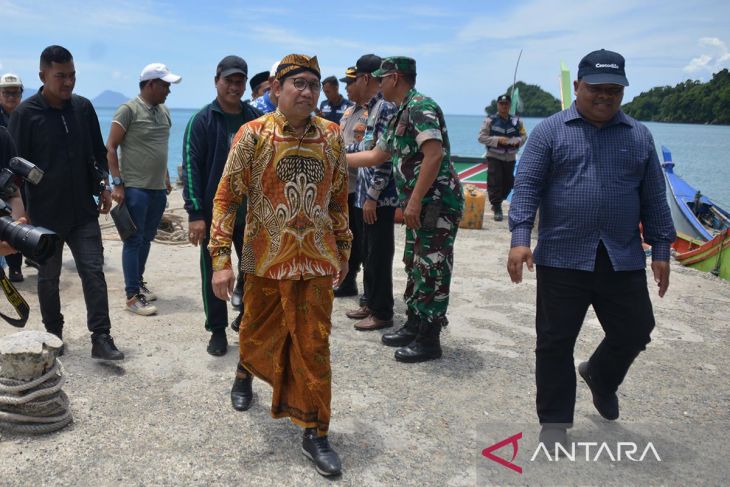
396	64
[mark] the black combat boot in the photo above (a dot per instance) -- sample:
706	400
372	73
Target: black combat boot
403	335
426	345
498	215
318	449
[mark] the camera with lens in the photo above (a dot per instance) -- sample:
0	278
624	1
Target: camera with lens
37	243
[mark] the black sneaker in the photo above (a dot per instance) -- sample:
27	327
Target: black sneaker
103	348
218	344
318	449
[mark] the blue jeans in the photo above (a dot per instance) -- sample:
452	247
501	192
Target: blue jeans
146	207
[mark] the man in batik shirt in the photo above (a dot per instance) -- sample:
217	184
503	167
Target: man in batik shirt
432	200
297	241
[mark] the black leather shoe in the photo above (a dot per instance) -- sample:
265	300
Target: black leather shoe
606	403
403	335
426	345
236	323
318	449
242	393
103	348
218	344
237	296
347	289
551	435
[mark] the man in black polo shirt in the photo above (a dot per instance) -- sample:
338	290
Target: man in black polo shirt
59	132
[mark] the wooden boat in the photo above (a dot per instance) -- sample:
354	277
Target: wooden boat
471	170
694	214
712	256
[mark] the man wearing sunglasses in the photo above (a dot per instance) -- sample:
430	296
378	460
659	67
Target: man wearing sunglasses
292	168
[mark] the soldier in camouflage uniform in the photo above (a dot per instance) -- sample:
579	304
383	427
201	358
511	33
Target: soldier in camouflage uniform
432	198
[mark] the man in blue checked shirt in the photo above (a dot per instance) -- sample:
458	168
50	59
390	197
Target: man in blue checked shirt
595	175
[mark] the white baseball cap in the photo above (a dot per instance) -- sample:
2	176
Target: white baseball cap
9	80
158	71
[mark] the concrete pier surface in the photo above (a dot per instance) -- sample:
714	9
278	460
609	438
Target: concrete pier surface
163	416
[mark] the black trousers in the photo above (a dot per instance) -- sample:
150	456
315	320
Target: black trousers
500	179
379	248
84	240
15	261
623	307
356	252
216	310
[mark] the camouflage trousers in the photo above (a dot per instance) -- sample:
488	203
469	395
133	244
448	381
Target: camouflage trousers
429	259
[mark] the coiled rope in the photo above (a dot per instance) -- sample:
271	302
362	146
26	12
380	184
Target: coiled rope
170	231
35	407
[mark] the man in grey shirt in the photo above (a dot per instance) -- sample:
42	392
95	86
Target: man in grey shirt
141	128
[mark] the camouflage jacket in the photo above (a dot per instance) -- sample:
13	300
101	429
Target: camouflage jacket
419	119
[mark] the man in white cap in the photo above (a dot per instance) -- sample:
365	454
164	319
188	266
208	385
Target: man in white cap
11	91
141	128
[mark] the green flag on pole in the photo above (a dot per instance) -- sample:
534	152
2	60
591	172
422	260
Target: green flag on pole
566	97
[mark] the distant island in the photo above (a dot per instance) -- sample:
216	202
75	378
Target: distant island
689	102
536	102
109	99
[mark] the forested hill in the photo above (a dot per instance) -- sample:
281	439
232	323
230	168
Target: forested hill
536	102
688	102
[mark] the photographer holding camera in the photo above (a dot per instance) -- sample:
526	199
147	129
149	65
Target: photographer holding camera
59	131
7	152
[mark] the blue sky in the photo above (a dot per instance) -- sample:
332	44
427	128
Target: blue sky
465	51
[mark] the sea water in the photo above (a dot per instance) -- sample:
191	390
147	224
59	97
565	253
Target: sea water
701	152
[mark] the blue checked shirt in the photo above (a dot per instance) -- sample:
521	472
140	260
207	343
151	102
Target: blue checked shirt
591	184
376	183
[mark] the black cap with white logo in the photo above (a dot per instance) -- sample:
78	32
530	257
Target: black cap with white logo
603	67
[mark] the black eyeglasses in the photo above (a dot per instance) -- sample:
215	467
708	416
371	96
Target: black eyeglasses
300	84
12	94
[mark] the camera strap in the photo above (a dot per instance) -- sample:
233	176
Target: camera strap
16	300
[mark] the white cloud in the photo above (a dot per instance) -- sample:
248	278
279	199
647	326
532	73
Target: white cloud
715	60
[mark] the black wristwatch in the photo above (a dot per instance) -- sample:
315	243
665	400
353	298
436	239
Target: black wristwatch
117	181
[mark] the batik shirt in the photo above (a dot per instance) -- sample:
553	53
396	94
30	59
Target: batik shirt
297	221
418	120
